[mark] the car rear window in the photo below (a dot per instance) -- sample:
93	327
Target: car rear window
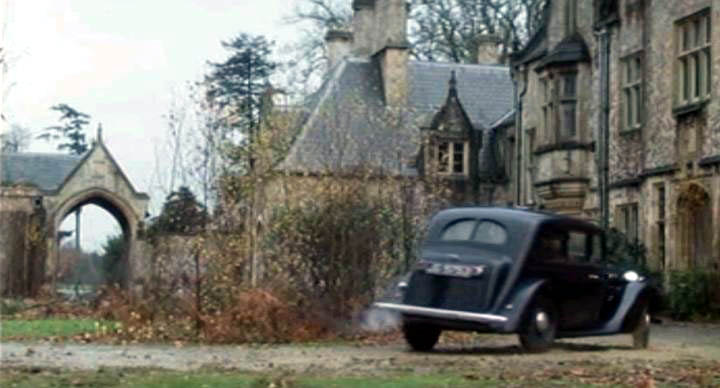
483	231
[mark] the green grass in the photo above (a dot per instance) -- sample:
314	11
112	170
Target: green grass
121	378
408	381
39	328
22	378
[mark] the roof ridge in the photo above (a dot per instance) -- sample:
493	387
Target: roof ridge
48	154
467	65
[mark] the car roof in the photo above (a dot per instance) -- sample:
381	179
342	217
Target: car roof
526	217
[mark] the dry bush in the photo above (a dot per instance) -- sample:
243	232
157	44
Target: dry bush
336	251
257	316
262	316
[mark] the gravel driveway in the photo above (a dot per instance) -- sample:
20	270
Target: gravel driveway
669	343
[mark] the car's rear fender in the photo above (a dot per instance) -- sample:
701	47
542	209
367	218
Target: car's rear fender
520	299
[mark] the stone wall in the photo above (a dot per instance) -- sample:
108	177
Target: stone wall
22	241
670	149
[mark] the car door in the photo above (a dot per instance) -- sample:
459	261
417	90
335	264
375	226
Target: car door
565	257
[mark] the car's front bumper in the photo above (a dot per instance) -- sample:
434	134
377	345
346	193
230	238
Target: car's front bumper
453	315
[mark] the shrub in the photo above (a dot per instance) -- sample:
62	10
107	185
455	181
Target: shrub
337	250
626	253
691	294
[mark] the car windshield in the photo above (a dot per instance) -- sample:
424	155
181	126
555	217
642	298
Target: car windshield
482	231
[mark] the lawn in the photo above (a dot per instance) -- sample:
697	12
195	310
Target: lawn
40	328
157	379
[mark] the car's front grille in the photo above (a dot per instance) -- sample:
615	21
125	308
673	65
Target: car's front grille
446	292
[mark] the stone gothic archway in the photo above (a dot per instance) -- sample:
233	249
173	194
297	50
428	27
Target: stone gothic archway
37	191
694	233
113	204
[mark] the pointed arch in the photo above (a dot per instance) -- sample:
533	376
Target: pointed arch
694	239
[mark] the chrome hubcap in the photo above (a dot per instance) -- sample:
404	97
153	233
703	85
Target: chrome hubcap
542	321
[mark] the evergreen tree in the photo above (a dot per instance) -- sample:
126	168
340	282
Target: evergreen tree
71	130
113	267
237	84
181	214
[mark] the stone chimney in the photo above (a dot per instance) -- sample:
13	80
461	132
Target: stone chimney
363	27
392	49
339	45
488	49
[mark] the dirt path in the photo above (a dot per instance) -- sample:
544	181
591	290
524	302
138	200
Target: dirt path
670	343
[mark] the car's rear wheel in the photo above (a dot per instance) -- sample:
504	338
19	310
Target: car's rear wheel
539	326
641	332
420	337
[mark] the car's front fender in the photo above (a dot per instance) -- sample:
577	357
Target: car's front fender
518	301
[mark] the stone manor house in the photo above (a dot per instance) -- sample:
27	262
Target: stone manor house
618	119
610	112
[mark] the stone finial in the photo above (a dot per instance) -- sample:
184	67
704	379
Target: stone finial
99	133
452	89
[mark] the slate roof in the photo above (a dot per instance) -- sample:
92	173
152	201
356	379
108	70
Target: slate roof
570	49
46	171
485	91
348	126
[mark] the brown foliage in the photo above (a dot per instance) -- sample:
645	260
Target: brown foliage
256	316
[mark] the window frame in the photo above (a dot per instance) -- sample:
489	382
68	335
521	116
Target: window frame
628	220
567	128
446	167
693	60
558	96
547	106
632	89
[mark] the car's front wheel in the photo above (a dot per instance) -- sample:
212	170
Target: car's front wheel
537	333
641	333
421	338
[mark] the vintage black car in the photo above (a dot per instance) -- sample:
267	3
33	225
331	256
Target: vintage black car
540	275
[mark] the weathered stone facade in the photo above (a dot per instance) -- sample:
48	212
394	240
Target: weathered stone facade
39	190
379	111
643	153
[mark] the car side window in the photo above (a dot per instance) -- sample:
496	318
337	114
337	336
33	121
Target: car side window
458	231
596	252
578	247
550	247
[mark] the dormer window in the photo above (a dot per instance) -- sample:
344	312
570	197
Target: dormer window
451	157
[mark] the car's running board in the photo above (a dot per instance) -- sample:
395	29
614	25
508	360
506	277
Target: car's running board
441	313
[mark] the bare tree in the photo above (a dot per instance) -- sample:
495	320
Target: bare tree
17	139
189	154
310	62
3	66
448	30
439	30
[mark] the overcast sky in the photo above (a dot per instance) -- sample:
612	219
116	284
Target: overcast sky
119	61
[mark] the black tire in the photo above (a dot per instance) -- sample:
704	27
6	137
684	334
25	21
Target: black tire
421	338
539	325
641	331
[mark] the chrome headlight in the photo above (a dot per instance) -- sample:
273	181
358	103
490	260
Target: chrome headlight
632	276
